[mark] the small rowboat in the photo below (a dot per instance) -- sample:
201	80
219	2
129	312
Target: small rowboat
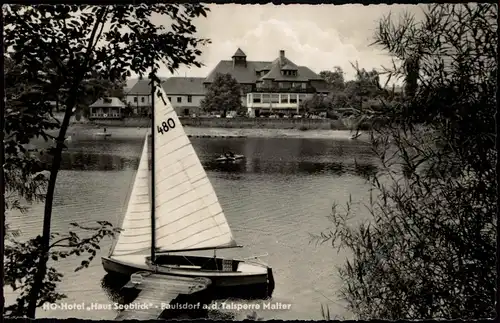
229	159
102	134
355	136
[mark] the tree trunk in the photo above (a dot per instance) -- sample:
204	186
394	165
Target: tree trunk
2	189
70	102
47	216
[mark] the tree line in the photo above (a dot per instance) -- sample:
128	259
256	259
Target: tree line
429	248
70	54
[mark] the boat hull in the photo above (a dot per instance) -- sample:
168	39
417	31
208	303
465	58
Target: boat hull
218	278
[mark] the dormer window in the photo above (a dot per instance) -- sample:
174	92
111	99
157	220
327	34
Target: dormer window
107	100
289	73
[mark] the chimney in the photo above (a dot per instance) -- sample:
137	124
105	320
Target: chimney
282	56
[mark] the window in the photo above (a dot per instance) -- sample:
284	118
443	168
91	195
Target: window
281	85
135	99
275	98
266	98
293	98
179	99
284	98
143	99
301	97
256	98
303	85
190	98
107	100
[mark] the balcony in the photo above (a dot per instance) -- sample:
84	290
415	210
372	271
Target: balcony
272	101
275	89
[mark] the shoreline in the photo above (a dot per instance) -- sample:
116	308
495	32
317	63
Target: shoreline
303	124
89	131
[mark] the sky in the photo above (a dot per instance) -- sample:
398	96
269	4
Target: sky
317	36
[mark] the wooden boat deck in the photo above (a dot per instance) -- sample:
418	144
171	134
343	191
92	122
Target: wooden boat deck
157	292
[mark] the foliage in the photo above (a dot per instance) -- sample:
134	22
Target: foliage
335	78
349	95
96	88
366	84
224	94
315	104
428	251
22	257
55	51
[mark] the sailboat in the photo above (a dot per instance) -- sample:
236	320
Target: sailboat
173	210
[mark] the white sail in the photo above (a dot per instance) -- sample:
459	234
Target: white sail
136	234
187	211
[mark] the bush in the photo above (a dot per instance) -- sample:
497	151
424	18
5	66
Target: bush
428	251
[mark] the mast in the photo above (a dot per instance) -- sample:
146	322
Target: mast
153	227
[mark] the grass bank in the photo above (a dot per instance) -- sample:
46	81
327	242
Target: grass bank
236	123
78	132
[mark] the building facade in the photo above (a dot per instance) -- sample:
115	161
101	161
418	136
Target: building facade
139	97
185	94
106	108
273	87
267	87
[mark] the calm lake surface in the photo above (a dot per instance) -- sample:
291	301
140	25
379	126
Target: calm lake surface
274	200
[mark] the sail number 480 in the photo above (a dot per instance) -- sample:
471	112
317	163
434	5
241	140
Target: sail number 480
166	126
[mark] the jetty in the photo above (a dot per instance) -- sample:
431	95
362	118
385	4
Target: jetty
160	294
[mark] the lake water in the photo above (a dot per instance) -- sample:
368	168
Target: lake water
274	200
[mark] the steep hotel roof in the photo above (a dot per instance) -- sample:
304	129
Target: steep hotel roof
239	53
247	74
108	102
242	74
142	87
172	86
184	86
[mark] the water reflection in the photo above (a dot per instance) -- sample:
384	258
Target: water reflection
272	211
81	160
263	156
104	162
258	166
